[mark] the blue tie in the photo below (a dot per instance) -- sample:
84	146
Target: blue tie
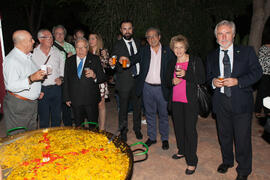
227	71
133	68
79	69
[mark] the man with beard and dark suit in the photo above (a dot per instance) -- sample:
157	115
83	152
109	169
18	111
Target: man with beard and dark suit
233	98
83	73
125	81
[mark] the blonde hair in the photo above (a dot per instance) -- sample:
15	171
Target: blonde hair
99	43
179	38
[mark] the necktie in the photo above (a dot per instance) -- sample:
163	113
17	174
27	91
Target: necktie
227	71
79	69
133	68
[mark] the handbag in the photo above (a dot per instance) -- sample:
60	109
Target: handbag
203	97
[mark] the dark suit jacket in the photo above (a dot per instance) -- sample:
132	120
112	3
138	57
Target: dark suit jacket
144	57
124	79
246	69
192	79
84	91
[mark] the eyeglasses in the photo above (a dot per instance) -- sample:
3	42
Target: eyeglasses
46	37
151	37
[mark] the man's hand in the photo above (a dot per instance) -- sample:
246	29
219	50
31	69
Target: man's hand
124	58
58	81
37	76
218	83
89	73
69	54
176	81
229	82
41	95
68	103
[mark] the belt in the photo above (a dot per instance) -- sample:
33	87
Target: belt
49	86
153	84
18	96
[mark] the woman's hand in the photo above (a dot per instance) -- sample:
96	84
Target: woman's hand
181	73
176	81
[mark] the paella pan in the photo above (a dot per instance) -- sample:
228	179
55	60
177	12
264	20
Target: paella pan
65	153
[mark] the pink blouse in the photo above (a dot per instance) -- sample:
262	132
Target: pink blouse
179	91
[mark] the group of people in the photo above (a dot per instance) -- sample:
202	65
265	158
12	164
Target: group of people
150	75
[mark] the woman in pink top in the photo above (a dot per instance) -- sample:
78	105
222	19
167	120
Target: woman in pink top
183	81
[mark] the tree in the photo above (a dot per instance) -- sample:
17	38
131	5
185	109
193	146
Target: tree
261	12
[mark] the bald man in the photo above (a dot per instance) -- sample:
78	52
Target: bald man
22	81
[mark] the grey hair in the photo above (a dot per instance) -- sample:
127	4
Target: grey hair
225	23
59	26
152	29
82	39
40	32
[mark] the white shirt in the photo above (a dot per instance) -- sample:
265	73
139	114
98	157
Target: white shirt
56	61
221	65
135	51
153	75
16	68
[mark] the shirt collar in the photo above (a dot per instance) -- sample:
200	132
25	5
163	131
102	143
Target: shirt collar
229	49
27	56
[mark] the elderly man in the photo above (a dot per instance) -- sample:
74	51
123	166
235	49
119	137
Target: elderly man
67	50
22	82
83	73
153	59
126	80
232	70
48	55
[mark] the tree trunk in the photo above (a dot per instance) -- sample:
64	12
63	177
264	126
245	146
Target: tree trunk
261	11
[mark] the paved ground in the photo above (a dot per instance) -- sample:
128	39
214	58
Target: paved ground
160	165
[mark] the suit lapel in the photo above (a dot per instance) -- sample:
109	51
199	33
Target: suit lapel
125	46
163	59
216	62
236	58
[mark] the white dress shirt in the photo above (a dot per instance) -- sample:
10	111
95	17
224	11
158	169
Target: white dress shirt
221	65
17	67
153	75
135	51
56	61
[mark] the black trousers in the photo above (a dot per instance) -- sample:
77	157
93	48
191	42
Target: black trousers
263	91
234	128
124	98
85	111
185	116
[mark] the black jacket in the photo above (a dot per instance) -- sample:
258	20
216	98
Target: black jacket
84	91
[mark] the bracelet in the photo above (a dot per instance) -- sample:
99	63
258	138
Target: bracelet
29	78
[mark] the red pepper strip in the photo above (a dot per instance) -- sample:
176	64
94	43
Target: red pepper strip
84	151
25	179
25	163
105	157
101	149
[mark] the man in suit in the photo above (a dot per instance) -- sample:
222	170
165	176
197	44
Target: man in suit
232	98
125	81
83	73
153	60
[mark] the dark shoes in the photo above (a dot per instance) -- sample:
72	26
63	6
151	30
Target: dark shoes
149	142
138	134
189	172
165	145
223	168
177	156
240	177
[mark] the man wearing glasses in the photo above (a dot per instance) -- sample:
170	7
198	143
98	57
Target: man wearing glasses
49	58
153	59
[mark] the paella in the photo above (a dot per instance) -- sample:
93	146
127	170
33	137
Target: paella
63	154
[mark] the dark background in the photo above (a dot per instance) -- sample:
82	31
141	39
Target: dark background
195	19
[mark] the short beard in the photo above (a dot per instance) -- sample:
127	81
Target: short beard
127	37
